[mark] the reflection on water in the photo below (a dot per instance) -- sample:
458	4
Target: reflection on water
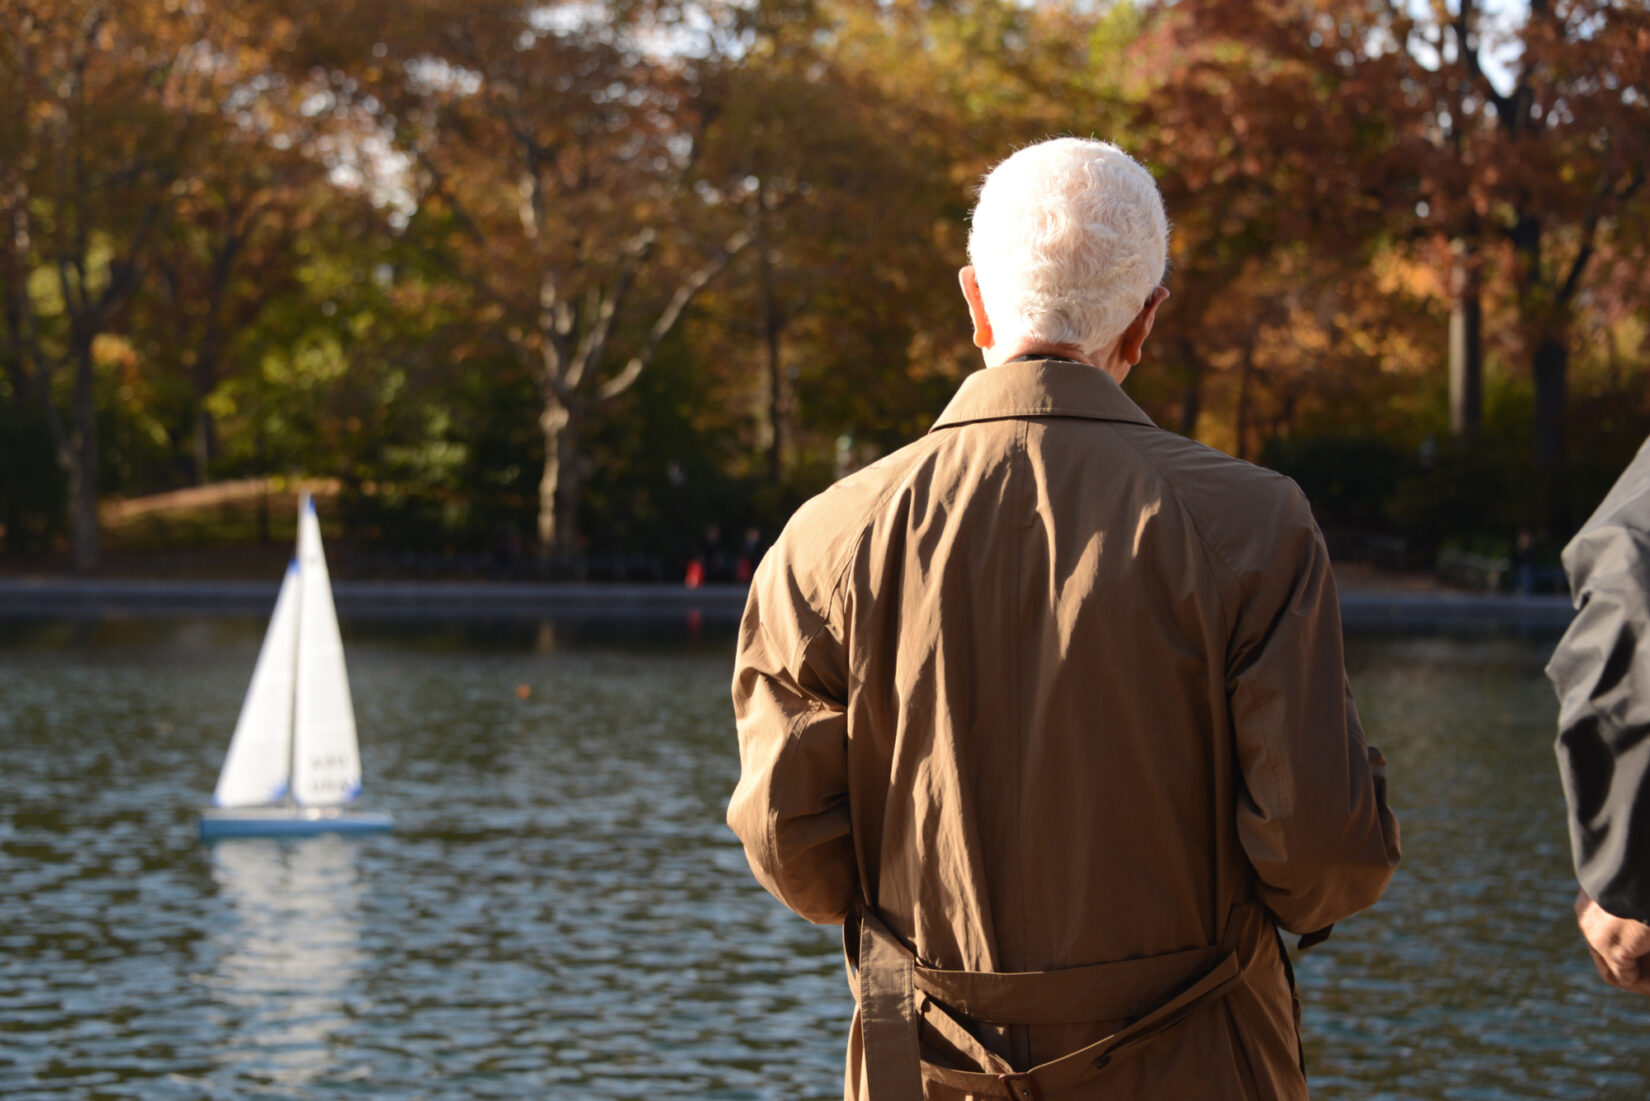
561	913
291	956
1468	980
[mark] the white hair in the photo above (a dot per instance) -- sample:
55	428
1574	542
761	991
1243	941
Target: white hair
1068	240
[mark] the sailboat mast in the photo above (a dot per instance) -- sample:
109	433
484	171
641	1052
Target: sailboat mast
297	666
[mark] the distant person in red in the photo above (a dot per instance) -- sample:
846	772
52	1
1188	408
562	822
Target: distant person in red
710	565
1601	671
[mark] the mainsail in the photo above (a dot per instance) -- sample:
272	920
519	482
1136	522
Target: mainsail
326	763
259	761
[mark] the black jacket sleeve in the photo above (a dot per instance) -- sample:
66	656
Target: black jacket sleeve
1601	672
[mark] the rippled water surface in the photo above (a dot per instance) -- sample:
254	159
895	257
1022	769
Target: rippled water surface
560	912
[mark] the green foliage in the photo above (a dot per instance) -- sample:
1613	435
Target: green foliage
1475	498
1468	496
664	472
1350	480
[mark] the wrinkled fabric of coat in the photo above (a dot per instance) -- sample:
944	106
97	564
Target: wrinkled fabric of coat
1601	672
1052	687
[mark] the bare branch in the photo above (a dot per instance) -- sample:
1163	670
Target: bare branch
603	309
1572	281
1467	45
1610	194
599	311
556	325
672	313
552	362
71	302
1635	180
126	272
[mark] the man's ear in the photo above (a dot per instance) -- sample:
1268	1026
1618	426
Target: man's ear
1134	337
983	337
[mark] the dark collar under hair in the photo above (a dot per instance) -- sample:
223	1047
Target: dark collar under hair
1035	357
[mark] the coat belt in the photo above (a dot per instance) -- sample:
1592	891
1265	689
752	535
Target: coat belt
1152	994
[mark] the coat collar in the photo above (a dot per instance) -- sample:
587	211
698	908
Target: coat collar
1040	388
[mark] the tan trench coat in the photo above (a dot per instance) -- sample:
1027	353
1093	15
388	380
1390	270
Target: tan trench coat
1052	691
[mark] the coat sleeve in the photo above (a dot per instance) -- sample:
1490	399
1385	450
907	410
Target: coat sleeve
1312	811
1601	672
790	808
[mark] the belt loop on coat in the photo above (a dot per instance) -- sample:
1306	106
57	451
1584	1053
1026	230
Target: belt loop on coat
888	1016
1021	1087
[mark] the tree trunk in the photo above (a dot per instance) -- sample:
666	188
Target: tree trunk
772	324
258	449
204	439
1244	383
1191	404
203	445
82	455
558	522
568	547
1466	346
1191	397
1551	363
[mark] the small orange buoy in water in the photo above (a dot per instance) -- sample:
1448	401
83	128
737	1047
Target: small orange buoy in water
523	691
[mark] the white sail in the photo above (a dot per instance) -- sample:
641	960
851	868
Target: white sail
257	768
326	765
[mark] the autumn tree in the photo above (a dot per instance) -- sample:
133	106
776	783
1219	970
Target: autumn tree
1238	138
841	181
863	131
85	181
552	166
111	107
1534	169
243	220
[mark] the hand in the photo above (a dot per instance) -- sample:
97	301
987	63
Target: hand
1620	946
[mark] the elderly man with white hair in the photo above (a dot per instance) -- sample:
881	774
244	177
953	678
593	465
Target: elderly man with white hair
1048	707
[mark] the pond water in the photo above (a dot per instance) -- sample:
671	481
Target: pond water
561	913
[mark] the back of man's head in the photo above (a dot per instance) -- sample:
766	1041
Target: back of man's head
1068	240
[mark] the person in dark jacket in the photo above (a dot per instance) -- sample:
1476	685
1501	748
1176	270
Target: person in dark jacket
1601	671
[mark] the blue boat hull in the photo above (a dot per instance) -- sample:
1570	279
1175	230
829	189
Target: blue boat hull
221	822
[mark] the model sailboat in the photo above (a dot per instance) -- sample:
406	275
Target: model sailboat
293	764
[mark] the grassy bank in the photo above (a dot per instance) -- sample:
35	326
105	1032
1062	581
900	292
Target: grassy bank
240	530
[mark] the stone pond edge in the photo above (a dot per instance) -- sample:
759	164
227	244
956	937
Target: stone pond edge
1362	610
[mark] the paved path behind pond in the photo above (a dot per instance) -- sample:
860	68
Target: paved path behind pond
1398	611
